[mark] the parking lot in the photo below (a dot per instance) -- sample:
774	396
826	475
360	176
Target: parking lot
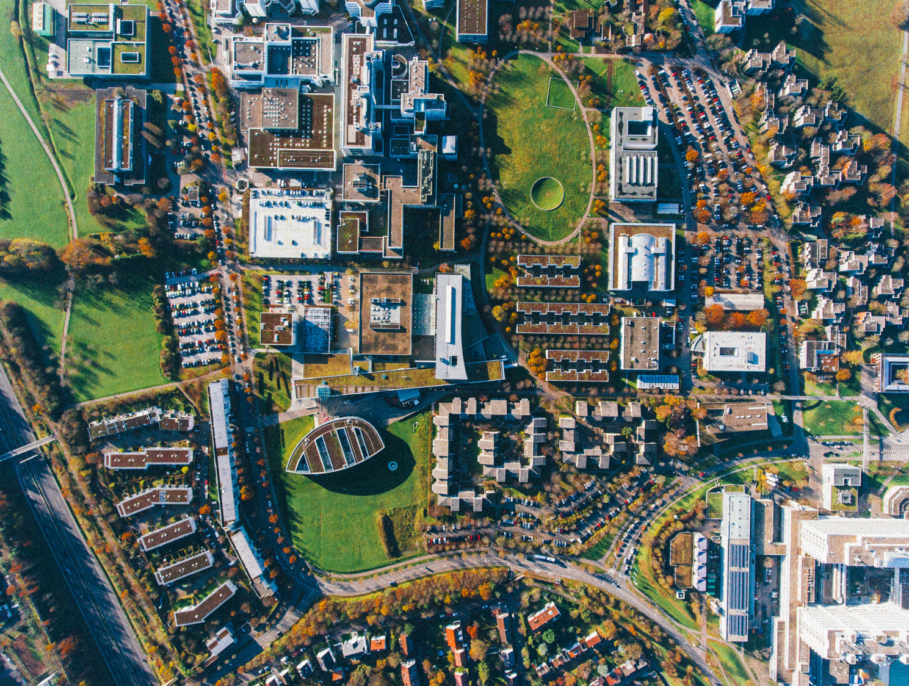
293	292
723	178
192	306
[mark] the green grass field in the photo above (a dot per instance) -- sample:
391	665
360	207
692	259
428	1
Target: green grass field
31	200
854	42
113	345
614	84
560	94
530	140
332	519
272	372
834	418
45	306
734	670
705	15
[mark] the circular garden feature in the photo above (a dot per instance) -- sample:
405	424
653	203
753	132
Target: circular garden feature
547	193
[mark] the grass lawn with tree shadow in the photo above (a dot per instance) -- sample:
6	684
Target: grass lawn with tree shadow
332	519
530	140
855	42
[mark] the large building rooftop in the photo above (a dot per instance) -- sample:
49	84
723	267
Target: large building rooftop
472	20
642	259
336	445
633	160
386	313
449	306
732	351
309	147
289	224
107	41
640	344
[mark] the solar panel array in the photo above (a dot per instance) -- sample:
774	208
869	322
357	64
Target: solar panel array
739	555
737	625
738	591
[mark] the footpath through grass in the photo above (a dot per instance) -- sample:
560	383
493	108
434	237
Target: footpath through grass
332	519
735	672
530	140
31	200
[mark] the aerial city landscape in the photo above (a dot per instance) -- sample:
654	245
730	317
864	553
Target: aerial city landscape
454	342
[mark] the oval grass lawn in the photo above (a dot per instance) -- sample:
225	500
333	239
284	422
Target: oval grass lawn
530	140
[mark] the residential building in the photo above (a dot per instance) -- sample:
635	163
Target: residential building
542	618
223	452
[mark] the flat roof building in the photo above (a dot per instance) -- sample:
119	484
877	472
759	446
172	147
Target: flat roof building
386	312
276	328
197	613
107	41
226	468
581	366
892	373
152	497
290	224
641	259
286	54
583	319
361	121
149	457
308	147
549	271
738	302
44	20
738	568
736	417
633	162
732	351
315	329
840	485
472	21
449	307
640	348
252	563
176	571
119	143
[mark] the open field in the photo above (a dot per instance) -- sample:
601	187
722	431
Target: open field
558	147
895	406
24	167
45	306
560	94
332	519
547	193
114	347
705	15
734	670
852	42
272	373
834	418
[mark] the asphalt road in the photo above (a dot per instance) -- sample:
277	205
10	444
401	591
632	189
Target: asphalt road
123	655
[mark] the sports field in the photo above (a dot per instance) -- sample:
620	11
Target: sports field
853	42
332	519
530	140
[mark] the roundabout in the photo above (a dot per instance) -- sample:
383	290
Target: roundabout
547	193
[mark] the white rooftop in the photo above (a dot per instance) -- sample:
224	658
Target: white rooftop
733	351
289	224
